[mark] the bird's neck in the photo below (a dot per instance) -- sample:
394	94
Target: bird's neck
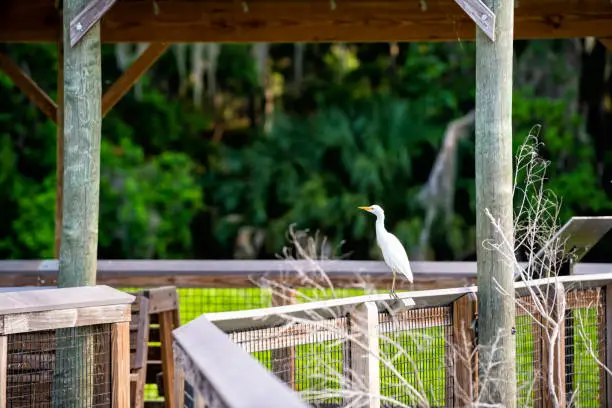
380	224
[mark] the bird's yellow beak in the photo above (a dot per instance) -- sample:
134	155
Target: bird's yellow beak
365	208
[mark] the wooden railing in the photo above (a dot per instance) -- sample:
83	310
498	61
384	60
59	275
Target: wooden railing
64	347
365	330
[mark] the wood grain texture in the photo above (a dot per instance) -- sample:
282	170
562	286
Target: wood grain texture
3	370
365	356
27	85
82	130
494	193
162	299
553	351
120	338
131	75
480	14
87	17
465	360
63	298
166	325
66	318
305	21
59	143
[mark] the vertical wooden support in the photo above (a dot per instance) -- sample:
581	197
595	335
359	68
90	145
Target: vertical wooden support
553	352
3	367
82	129
496	316
465	359
283	359
59	149
166	325
606	344
179	388
365	361
120	338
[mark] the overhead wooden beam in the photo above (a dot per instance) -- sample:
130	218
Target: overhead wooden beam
28	87
305	21
606	42
90	15
131	76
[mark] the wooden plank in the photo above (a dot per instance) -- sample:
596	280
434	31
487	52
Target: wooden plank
480	14
166	325
465	360
63	298
3	370
365	356
142	334
162	299
120	364
57	319
305	21
34	93
179	389
125	82
84	20
215	366
608	343
59	143
553	353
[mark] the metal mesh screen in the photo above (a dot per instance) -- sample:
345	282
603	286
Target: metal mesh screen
528	354
307	357
584	345
415	348
60	368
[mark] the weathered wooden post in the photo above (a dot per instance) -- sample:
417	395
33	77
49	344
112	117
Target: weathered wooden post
82	116
494	48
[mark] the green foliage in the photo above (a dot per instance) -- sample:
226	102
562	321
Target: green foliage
363	128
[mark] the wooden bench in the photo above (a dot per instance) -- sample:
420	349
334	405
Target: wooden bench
155	313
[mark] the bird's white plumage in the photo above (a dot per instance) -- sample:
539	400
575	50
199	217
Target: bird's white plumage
393	251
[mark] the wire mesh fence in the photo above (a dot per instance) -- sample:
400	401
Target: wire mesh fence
310	358
415	346
60	368
528	353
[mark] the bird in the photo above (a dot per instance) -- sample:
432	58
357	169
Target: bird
393	251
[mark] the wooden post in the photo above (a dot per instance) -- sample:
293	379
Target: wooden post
120	338
3	368
553	352
607	344
494	193
82	128
283	359
465	360
365	364
59	149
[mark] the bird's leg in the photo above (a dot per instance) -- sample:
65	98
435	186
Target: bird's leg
393	294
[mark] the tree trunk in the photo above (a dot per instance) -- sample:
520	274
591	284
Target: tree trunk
494	193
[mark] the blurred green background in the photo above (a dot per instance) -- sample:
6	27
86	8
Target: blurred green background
219	148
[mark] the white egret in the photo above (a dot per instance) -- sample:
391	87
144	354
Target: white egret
392	249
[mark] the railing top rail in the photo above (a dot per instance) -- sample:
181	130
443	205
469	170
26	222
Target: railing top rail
275	316
246	273
213	364
14	301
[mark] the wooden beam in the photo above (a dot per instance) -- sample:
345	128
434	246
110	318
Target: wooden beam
131	76
28	87
90	15
59	143
305	21
120	339
606	42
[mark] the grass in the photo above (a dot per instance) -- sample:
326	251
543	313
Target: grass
423	360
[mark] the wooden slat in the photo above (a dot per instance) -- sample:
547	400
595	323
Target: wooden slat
65	298
162	299
125	82
28	87
465	360
365	357
59	142
305	21
120	365
556	306
3	369
56	319
166	325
